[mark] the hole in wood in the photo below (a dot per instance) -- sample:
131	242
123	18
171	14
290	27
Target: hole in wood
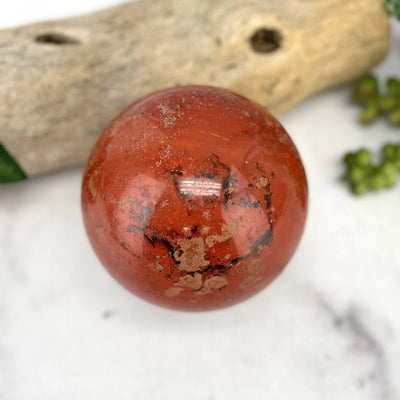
265	40
55	39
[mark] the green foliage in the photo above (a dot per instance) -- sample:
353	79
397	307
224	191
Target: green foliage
10	171
392	7
363	175
374	103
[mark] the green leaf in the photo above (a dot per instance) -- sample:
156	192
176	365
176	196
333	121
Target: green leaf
10	171
392	7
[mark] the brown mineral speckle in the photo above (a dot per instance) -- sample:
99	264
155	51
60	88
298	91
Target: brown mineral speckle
191	254
190	281
255	266
248	281
100	233
165	203
92	186
157	266
168	121
173	291
269	122
228	230
204	230
170	114
122	205
207	214
229	190
213	283
262	182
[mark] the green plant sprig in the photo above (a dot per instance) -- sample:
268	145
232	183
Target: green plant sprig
392	7
10	171
364	176
374	103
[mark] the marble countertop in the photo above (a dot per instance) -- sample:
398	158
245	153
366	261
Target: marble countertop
327	328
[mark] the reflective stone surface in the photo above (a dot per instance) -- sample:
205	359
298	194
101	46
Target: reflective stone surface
194	198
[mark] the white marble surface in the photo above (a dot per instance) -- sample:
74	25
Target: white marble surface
327	328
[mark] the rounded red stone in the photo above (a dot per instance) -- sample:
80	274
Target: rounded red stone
194	198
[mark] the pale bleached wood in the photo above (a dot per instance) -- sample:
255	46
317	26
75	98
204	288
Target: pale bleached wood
56	99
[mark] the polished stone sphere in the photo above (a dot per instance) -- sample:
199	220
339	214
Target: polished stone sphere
194	198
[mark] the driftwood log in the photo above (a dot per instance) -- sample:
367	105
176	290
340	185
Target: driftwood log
62	82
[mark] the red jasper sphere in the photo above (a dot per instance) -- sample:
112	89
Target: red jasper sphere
194	198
